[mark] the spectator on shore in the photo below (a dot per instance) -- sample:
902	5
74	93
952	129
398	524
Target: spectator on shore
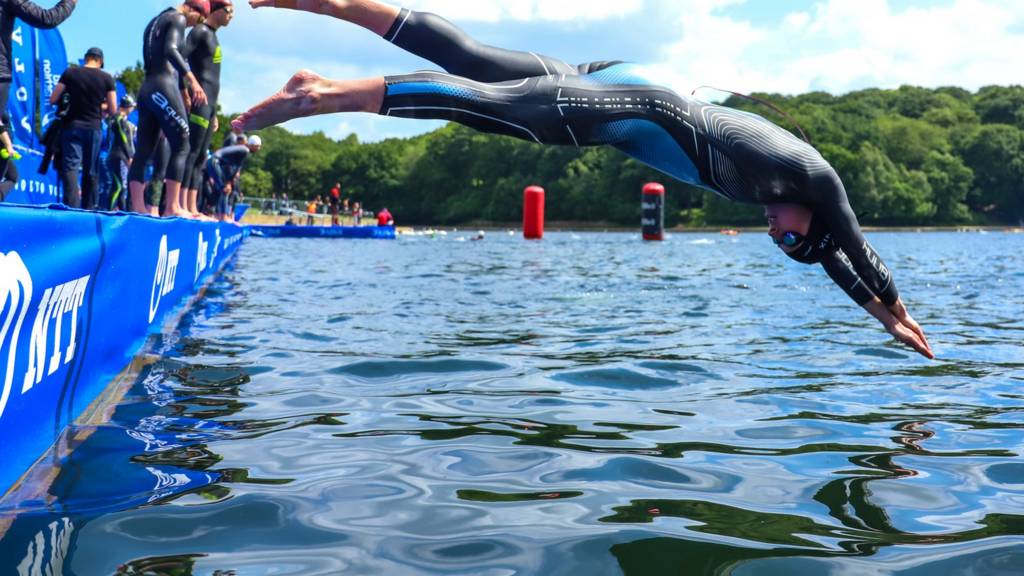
31	14
311	210
357	213
335	203
88	88
384	218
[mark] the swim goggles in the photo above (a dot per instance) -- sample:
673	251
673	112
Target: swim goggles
789	239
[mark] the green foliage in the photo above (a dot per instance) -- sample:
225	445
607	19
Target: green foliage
132	78
908	156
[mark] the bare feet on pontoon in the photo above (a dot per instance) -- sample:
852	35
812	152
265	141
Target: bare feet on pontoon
299	98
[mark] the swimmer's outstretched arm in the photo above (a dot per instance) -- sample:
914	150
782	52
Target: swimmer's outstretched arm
896	320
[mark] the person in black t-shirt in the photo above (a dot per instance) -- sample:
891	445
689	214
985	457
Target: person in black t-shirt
88	88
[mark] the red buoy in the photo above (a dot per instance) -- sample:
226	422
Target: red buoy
653	211
533	213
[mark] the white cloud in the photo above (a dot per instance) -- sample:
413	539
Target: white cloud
528	10
833	45
843	45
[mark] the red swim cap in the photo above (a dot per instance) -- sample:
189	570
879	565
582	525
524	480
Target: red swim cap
218	4
201	6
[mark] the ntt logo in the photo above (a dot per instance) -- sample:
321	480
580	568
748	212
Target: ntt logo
56	315
163	279
15	296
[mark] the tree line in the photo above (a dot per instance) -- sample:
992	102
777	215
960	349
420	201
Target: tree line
910	156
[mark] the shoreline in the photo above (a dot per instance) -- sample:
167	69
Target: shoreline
578	226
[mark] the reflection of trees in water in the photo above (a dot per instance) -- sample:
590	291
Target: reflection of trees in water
866	526
182	565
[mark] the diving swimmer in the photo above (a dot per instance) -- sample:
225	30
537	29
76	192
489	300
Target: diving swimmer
161	107
738	155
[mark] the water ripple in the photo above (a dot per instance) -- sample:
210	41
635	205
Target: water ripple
585	405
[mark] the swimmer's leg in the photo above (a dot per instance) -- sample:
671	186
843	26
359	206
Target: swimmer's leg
523	108
433	38
376	17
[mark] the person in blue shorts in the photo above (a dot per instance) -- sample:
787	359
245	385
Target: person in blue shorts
738	155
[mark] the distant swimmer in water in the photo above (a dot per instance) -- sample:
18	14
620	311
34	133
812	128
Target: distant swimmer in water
738	155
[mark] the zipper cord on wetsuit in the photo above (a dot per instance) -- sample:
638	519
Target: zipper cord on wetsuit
762	102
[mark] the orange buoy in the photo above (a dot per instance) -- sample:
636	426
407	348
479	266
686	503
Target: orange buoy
652	207
533	213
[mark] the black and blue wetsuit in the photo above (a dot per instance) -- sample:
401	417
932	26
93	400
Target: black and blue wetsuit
738	155
160	104
223	168
204	56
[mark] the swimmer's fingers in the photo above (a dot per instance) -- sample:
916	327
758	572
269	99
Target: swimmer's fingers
900	312
907	336
909	322
199	96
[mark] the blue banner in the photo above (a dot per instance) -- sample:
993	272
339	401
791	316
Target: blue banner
77	306
53	61
33	187
23	85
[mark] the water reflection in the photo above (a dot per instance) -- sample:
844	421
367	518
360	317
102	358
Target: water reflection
585	405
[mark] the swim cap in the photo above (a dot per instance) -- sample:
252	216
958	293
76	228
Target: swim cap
201	6
127	101
218	4
817	243
255	141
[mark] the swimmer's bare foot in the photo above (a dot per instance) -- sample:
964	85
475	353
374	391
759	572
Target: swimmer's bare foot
309	94
314	6
299	98
178	213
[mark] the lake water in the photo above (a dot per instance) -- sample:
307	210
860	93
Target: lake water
588	404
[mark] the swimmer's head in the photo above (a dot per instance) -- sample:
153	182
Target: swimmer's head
196	11
221	13
254	143
797	232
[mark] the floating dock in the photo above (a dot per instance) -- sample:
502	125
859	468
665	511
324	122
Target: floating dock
364	232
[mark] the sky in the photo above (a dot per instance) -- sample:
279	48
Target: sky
784	46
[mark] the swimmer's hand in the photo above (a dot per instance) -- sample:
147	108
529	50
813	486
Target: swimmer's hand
904	329
900	312
198	94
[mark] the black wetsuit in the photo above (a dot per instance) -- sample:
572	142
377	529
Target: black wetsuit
204	56
121	136
160	105
32	15
738	155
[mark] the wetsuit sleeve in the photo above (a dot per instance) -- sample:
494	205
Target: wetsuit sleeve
38	17
173	54
839	268
846	233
